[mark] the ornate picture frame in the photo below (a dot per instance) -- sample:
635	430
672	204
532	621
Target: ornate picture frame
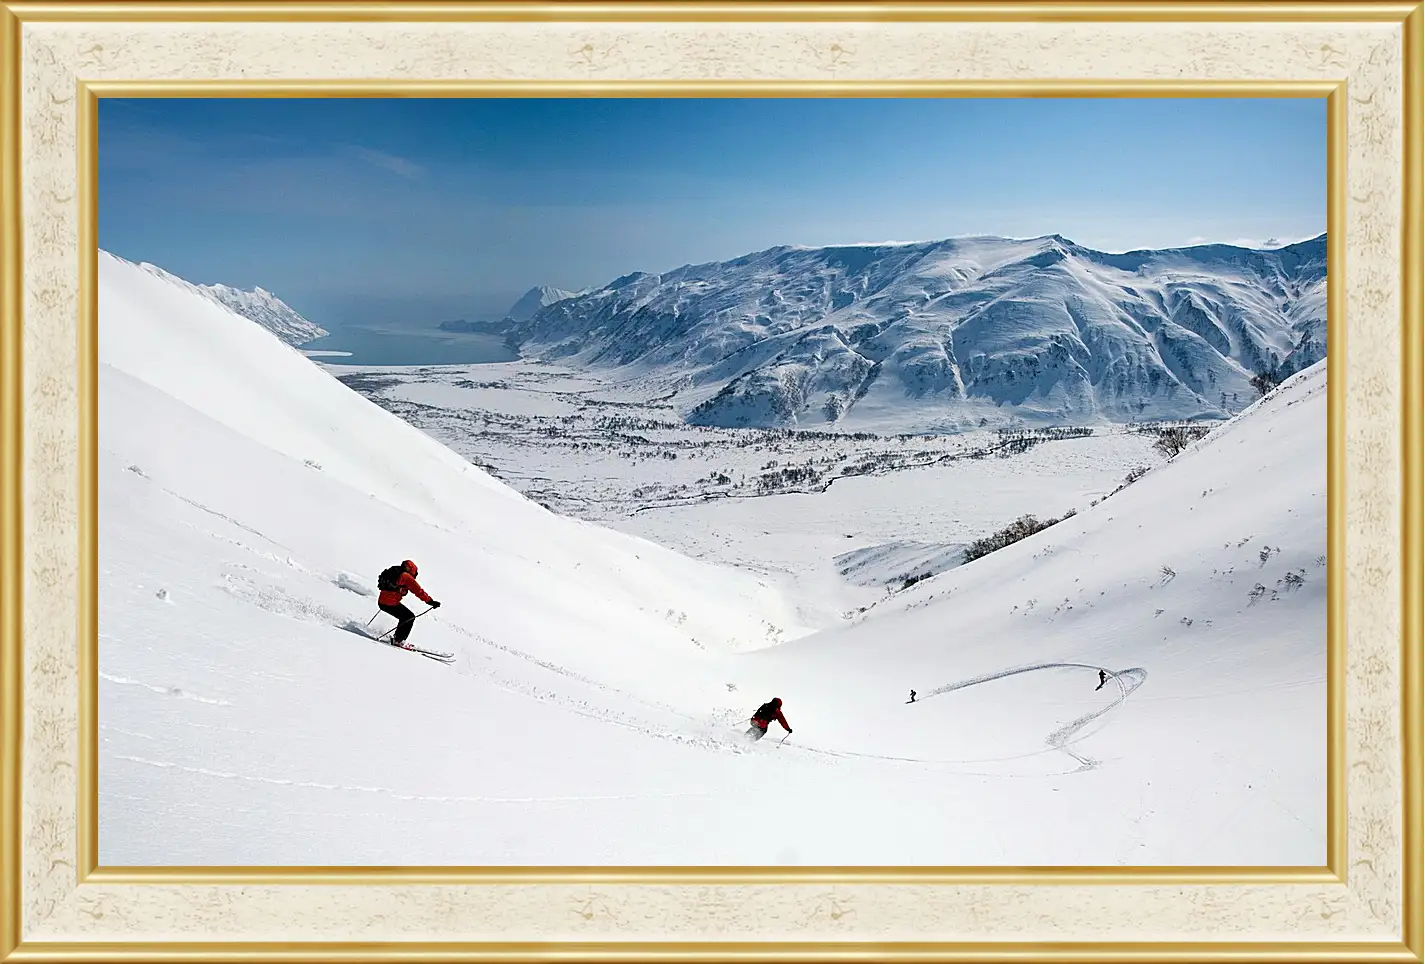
59	58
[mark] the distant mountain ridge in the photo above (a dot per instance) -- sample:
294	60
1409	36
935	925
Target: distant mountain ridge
535	299
540	296
258	305
950	334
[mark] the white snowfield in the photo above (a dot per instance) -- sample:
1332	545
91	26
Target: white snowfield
600	683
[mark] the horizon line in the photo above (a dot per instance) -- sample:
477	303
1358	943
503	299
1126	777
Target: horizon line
1191	245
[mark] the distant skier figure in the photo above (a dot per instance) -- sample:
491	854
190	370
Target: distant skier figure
1102	678
764	716
912	696
394	583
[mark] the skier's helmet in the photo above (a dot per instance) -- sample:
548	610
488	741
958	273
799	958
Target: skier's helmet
409	566
776	701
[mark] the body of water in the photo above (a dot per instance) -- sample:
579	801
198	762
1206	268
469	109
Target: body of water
416	346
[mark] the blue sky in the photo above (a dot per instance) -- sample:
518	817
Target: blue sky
406	211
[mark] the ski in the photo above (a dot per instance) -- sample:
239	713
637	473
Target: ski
428	653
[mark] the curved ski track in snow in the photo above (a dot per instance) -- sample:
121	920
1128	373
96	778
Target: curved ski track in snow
1060	738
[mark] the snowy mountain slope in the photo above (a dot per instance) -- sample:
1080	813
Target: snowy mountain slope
257	305
1203	585
209	361
946	334
248	500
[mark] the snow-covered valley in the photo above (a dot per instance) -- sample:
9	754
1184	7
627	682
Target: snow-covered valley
608	652
838	518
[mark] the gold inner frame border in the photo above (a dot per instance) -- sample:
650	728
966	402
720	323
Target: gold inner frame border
89	868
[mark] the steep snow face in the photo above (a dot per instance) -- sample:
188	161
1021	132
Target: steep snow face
541	296
257	305
952	334
270	438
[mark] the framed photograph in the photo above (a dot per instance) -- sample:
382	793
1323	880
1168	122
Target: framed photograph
683	481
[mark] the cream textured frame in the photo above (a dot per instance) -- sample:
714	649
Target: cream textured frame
58	58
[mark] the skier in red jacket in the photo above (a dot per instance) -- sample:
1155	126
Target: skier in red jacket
394	583
764	716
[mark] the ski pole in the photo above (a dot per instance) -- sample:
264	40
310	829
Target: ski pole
398	624
373	618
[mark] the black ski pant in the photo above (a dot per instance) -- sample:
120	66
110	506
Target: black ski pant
406	617
756	732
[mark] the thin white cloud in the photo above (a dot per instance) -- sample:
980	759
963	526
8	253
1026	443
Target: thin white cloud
1271	243
390	162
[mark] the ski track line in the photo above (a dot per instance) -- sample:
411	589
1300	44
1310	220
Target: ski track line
225	518
165	690
289	735
853	754
570	674
601	714
582	707
1058	739
386	791
260	553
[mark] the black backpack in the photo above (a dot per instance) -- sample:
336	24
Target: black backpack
389	580
767	711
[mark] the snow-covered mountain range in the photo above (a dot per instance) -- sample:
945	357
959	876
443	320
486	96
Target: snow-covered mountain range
951	334
259	305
